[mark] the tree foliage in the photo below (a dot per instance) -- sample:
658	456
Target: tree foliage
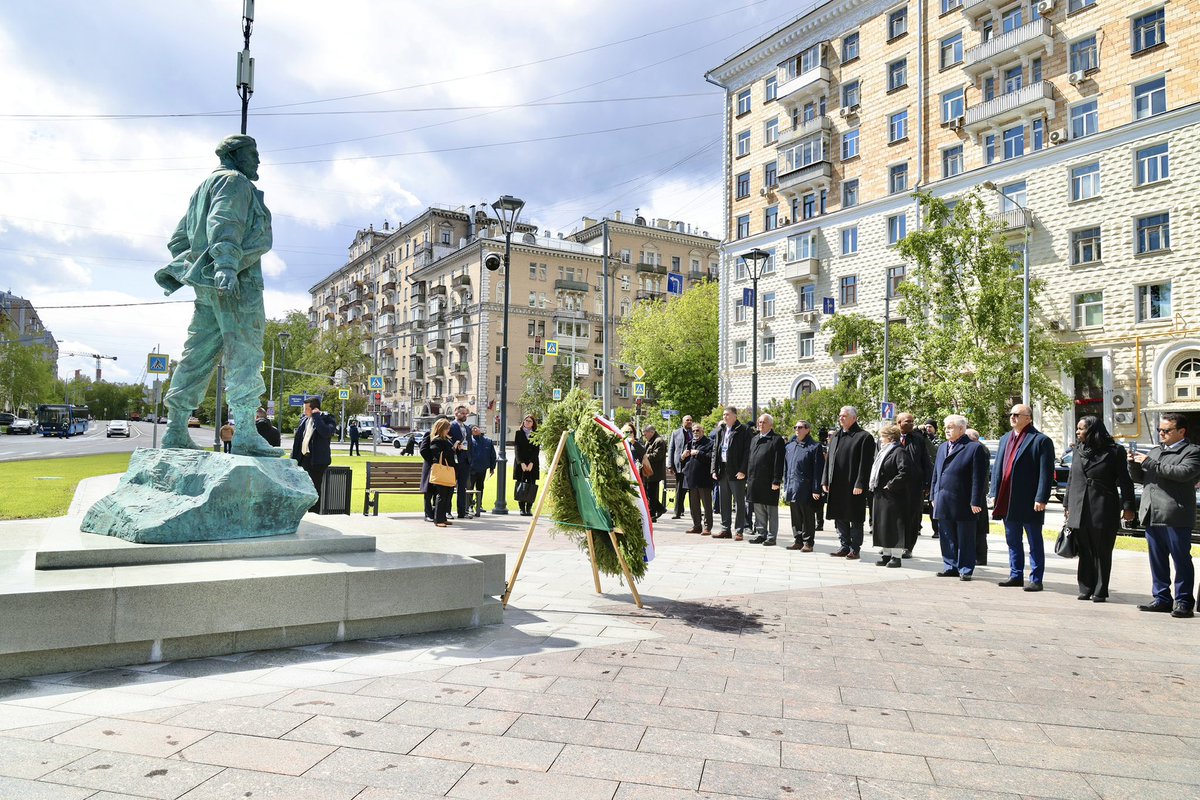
26	377
538	382
676	341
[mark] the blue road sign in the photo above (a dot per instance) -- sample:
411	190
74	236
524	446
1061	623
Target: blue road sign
674	283
747	297
557	394
296	400
156	363
639	388
828	306
887	410
375	383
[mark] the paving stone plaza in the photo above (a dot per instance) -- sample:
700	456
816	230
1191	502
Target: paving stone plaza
751	672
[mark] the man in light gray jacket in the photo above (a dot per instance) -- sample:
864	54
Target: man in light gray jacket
1168	474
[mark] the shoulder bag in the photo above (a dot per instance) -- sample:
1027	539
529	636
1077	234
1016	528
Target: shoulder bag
442	474
1065	545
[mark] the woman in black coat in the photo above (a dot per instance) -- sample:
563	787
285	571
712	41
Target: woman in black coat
438	449
1099	494
697	474
891	471
528	467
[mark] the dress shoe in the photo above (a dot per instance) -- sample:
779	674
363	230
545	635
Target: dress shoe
737	537
845	551
706	532
1099	599
907	554
1084	597
769	543
806	549
1164	608
464	516
1033	586
852	555
1012	582
934	536
677	516
894	563
964	577
795	546
947	573
692	530
723	535
758	540
882	562
1182	612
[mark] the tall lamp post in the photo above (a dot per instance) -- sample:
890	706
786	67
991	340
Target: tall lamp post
284	336
507	209
755	260
1025	220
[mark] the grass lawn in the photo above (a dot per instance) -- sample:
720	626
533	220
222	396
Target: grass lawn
45	487
1135	544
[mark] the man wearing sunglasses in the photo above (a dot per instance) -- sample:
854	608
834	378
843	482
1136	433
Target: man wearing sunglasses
1168	474
1022	476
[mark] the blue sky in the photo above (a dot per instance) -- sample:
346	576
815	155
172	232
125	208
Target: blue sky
363	112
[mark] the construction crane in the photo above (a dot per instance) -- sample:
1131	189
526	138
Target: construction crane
96	356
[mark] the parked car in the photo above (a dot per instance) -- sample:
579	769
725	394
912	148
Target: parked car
135	417
193	422
1062	470
386	434
22	425
117	427
6	418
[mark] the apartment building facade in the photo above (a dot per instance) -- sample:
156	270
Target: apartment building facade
1082	113
435	313
27	325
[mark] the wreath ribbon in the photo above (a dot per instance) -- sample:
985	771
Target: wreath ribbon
644	505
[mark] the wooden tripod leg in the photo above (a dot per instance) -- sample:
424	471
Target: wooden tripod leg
592	559
637	598
537	513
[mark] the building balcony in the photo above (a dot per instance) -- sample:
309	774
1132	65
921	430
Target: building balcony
389	285
566	285
387	309
416	373
460	281
460	337
570	316
418	348
648	294
436	342
807	178
437	291
330	315
460	367
804	270
1036	99
1014	219
804	87
654	269
1031	39
975	10
822	123
697	276
417	295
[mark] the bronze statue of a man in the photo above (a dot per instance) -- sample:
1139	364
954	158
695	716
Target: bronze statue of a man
217	248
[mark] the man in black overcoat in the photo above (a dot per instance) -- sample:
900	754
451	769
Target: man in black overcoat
846	478
917	446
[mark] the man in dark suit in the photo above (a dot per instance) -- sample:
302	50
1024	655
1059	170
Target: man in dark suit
957	492
266	430
1168	475
917	447
460	437
846	478
680	440
1022	477
310	448
731	453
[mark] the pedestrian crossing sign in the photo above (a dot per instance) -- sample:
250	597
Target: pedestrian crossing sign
375	383
558	394
552	347
639	388
343	394
156	363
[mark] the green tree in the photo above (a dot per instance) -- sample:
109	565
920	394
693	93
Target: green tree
819	408
26	376
677	343
537	387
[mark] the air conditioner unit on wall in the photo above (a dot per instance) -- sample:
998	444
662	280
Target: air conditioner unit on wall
1124	418
1122	402
1075	78
1044	7
1058	137
848	111
957	123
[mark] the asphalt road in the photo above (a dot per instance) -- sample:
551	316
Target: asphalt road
94	442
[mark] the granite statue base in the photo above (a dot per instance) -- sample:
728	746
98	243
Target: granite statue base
172	496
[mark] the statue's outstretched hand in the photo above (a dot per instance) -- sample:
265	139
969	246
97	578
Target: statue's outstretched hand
226	280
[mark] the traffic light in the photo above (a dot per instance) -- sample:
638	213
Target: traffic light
639	405
378	397
492	262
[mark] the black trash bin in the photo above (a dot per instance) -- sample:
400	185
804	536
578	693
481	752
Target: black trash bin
335	491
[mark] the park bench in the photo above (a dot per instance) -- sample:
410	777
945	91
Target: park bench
390	478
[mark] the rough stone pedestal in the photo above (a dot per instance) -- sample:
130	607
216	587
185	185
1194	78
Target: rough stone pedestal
170	496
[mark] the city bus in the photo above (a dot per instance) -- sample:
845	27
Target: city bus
62	419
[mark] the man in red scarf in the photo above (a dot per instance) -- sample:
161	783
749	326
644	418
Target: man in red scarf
1022	476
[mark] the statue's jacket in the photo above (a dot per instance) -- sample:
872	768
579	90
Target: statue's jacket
227	226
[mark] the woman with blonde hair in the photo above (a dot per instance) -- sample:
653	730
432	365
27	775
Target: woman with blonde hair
438	449
890	474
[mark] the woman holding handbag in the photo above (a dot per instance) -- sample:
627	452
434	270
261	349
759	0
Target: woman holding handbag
438	452
1099	494
528	468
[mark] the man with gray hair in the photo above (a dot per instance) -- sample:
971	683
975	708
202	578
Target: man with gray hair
764	479
846	478
957	493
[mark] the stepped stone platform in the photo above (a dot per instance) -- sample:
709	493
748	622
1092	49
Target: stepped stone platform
71	600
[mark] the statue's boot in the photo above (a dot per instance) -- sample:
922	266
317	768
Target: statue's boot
177	436
246	441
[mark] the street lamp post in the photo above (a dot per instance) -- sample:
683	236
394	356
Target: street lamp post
1026	397
755	260
507	209
284	336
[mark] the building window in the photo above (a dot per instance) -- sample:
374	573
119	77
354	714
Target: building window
850	240
897	178
1085	181
770	88
897	75
1089	309
1012	19
768	304
952	161
802	246
770	174
533	299
806	153
954	104
849	144
1012	79
897	23
1038	134
952	50
1085	246
849	47
1154	302
850	193
848	290
1187	379
1013	197
739	352
895	277
771	130
1150	98
770	218
743	102
1079	5
807	297
950	5
1085	119
1154	233
743	226
739	310
1014	142
768	349
1152	164
851	93
625	283
989	148
808	206
1084	56
897	228
898	126
1149	30
743	143
804	344
743	185
626	256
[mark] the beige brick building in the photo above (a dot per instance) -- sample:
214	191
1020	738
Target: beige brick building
1081	111
436	314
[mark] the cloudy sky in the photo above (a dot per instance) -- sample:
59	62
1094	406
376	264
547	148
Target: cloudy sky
364	112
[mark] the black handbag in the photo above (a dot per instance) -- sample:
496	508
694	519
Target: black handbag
526	492
1065	545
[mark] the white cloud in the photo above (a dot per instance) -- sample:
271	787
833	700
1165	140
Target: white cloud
273	266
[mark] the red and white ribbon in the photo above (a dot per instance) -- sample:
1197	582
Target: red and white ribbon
635	468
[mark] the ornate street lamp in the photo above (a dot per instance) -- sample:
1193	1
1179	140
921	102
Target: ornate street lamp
1025	220
284	336
755	260
507	209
